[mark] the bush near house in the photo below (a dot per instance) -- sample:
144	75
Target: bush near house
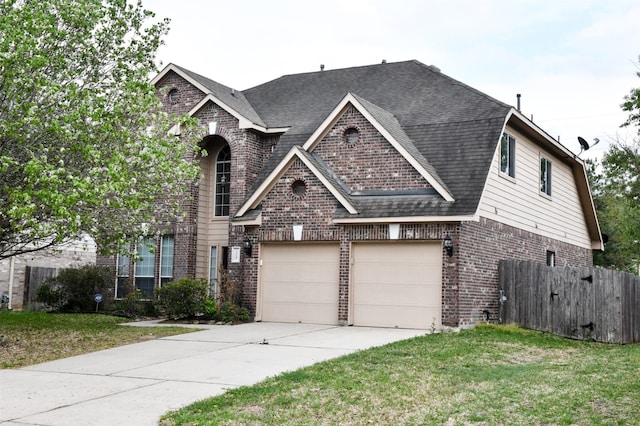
188	298
184	298
74	289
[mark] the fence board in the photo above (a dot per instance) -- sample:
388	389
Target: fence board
580	303
34	276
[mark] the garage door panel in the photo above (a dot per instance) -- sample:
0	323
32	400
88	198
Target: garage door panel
413	317
392	294
397	284
299	283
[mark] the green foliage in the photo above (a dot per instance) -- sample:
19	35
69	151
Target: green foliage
230	312
135	305
85	146
210	309
632	106
495	375
53	298
184	298
79	286
616	193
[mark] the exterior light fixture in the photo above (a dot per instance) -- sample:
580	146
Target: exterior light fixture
448	245
246	244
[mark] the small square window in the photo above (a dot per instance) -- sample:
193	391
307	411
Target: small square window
508	155
551	258
545	176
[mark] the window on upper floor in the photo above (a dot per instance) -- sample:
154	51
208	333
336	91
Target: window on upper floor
545	176
222	184
508	155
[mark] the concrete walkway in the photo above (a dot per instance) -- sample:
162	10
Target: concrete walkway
136	384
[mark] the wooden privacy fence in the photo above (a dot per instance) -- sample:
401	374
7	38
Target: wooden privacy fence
34	277
580	303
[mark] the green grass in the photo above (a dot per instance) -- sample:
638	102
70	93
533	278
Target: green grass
488	375
28	338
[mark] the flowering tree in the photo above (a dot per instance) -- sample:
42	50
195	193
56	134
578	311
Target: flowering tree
84	144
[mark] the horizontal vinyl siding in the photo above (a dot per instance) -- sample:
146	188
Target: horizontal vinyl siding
518	202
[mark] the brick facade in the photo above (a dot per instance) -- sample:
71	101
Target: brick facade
469	277
481	245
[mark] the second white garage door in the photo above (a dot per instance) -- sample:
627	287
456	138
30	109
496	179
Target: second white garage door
299	283
397	284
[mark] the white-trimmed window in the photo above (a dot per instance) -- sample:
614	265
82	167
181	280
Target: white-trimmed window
146	271
508	155
166	259
123	263
144	266
213	271
551	258
222	182
545	176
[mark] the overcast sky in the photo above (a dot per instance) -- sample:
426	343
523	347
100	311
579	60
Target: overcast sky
572	60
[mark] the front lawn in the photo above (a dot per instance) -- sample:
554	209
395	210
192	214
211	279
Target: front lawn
28	338
488	375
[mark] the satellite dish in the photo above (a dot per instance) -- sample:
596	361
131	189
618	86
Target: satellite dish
584	145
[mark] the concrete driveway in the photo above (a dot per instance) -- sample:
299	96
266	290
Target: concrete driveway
136	384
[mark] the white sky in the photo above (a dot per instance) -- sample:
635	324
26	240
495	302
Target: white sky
572	60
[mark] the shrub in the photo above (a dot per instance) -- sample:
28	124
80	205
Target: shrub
184	298
211	309
79	286
135	305
230	312
52	297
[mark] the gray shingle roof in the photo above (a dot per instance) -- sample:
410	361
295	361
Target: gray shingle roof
231	97
450	128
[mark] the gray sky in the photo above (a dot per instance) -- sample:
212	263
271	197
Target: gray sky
572	60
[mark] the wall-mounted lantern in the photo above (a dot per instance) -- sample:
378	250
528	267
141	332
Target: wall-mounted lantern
448	245
246	245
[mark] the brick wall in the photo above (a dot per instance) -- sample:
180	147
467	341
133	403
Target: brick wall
479	248
359	165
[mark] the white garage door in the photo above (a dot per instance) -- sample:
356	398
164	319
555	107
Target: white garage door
397	284
299	283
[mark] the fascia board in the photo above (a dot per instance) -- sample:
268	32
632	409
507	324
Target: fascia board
244	123
405	219
257	221
333	117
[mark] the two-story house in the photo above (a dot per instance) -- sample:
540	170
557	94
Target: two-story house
381	195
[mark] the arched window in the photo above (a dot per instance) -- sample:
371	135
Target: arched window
223	182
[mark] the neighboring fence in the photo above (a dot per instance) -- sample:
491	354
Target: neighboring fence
35	276
580	303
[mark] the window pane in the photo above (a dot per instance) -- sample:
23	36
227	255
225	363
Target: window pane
145	285
123	265
146	259
504	153
213	271
222	182
166	258
508	155
545	176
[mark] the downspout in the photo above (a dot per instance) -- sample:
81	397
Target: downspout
12	261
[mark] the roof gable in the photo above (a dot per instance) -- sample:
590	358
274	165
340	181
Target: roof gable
388	126
327	179
232	101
